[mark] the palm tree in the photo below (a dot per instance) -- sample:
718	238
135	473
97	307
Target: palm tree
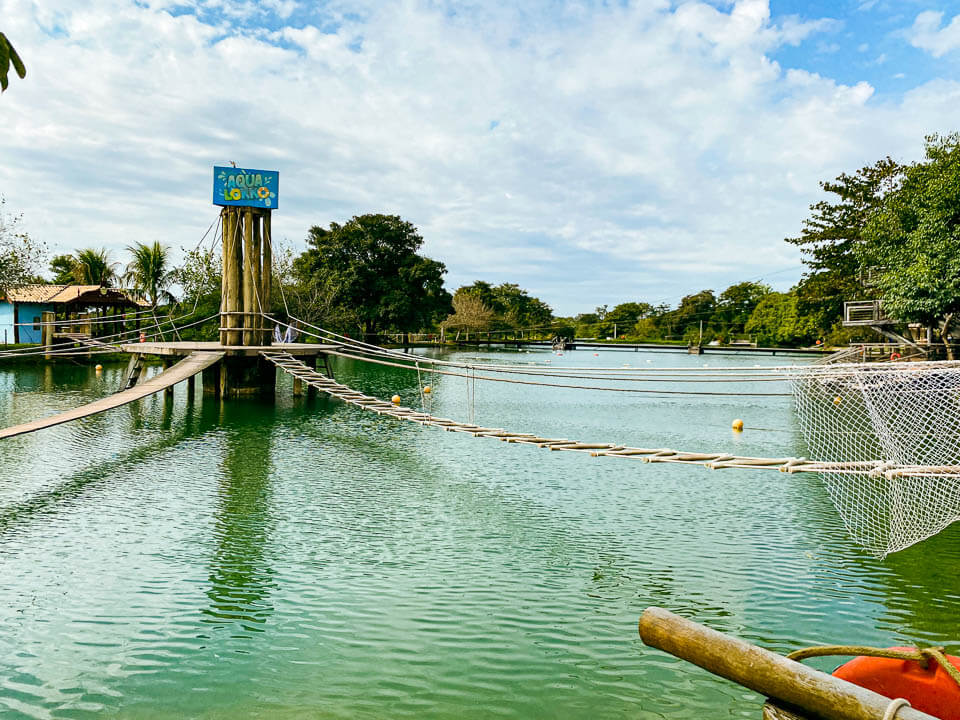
93	267
148	272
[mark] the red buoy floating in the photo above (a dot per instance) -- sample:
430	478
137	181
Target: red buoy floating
929	689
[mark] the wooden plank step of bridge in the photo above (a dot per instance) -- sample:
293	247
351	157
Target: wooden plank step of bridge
191	365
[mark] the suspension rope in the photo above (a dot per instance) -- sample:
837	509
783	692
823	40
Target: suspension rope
714	461
920	655
785	371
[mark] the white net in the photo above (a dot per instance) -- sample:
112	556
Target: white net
899	414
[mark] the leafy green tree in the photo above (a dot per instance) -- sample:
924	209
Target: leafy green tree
625	316
830	236
517	309
93	267
20	256
149	273
62	267
371	266
8	57
511	307
776	320
693	310
736	304
586	324
470	312
914	241
483	291
199	276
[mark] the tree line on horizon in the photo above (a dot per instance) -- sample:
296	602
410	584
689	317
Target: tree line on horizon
888	232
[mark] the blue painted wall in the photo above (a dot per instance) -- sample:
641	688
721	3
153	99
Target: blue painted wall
6	321
26	312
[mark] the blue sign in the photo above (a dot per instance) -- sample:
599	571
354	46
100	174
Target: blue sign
249	188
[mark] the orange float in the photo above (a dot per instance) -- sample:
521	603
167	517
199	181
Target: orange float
929	689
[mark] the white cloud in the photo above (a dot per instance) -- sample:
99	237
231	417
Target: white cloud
927	34
595	155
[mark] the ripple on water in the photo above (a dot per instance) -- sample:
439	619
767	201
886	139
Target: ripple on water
211	559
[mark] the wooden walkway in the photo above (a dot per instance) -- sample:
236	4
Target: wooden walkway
191	365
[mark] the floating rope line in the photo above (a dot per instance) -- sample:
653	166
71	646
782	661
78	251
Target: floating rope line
715	461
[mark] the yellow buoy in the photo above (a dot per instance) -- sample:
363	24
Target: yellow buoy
737	425
426	388
395	399
836	400
99	368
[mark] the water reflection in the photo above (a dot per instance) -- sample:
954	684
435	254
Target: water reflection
73	487
921	591
241	577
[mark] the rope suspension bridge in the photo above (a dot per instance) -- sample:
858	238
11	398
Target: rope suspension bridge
885	437
894	486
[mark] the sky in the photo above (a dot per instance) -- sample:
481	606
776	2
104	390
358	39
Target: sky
591	152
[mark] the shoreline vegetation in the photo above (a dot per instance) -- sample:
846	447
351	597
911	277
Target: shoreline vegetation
888	233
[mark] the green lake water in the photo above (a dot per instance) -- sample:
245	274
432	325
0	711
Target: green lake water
305	559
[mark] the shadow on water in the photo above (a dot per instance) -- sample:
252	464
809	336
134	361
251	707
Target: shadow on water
72	487
241	578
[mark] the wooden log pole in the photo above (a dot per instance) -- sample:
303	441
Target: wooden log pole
785	681
225	276
46	331
249	293
257	274
236	336
266	275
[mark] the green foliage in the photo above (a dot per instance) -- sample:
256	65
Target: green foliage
93	267
21	257
913	240
8	57
776	320
694	310
62	266
368	273
831	235
470	313
735	306
511	307
199	276
148	272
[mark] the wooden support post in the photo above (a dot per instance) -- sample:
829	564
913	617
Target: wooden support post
249	296
211	379
191	385
257	285
297	387
236	336
232	272
266	276
785	681
46	330
227	260
168	391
